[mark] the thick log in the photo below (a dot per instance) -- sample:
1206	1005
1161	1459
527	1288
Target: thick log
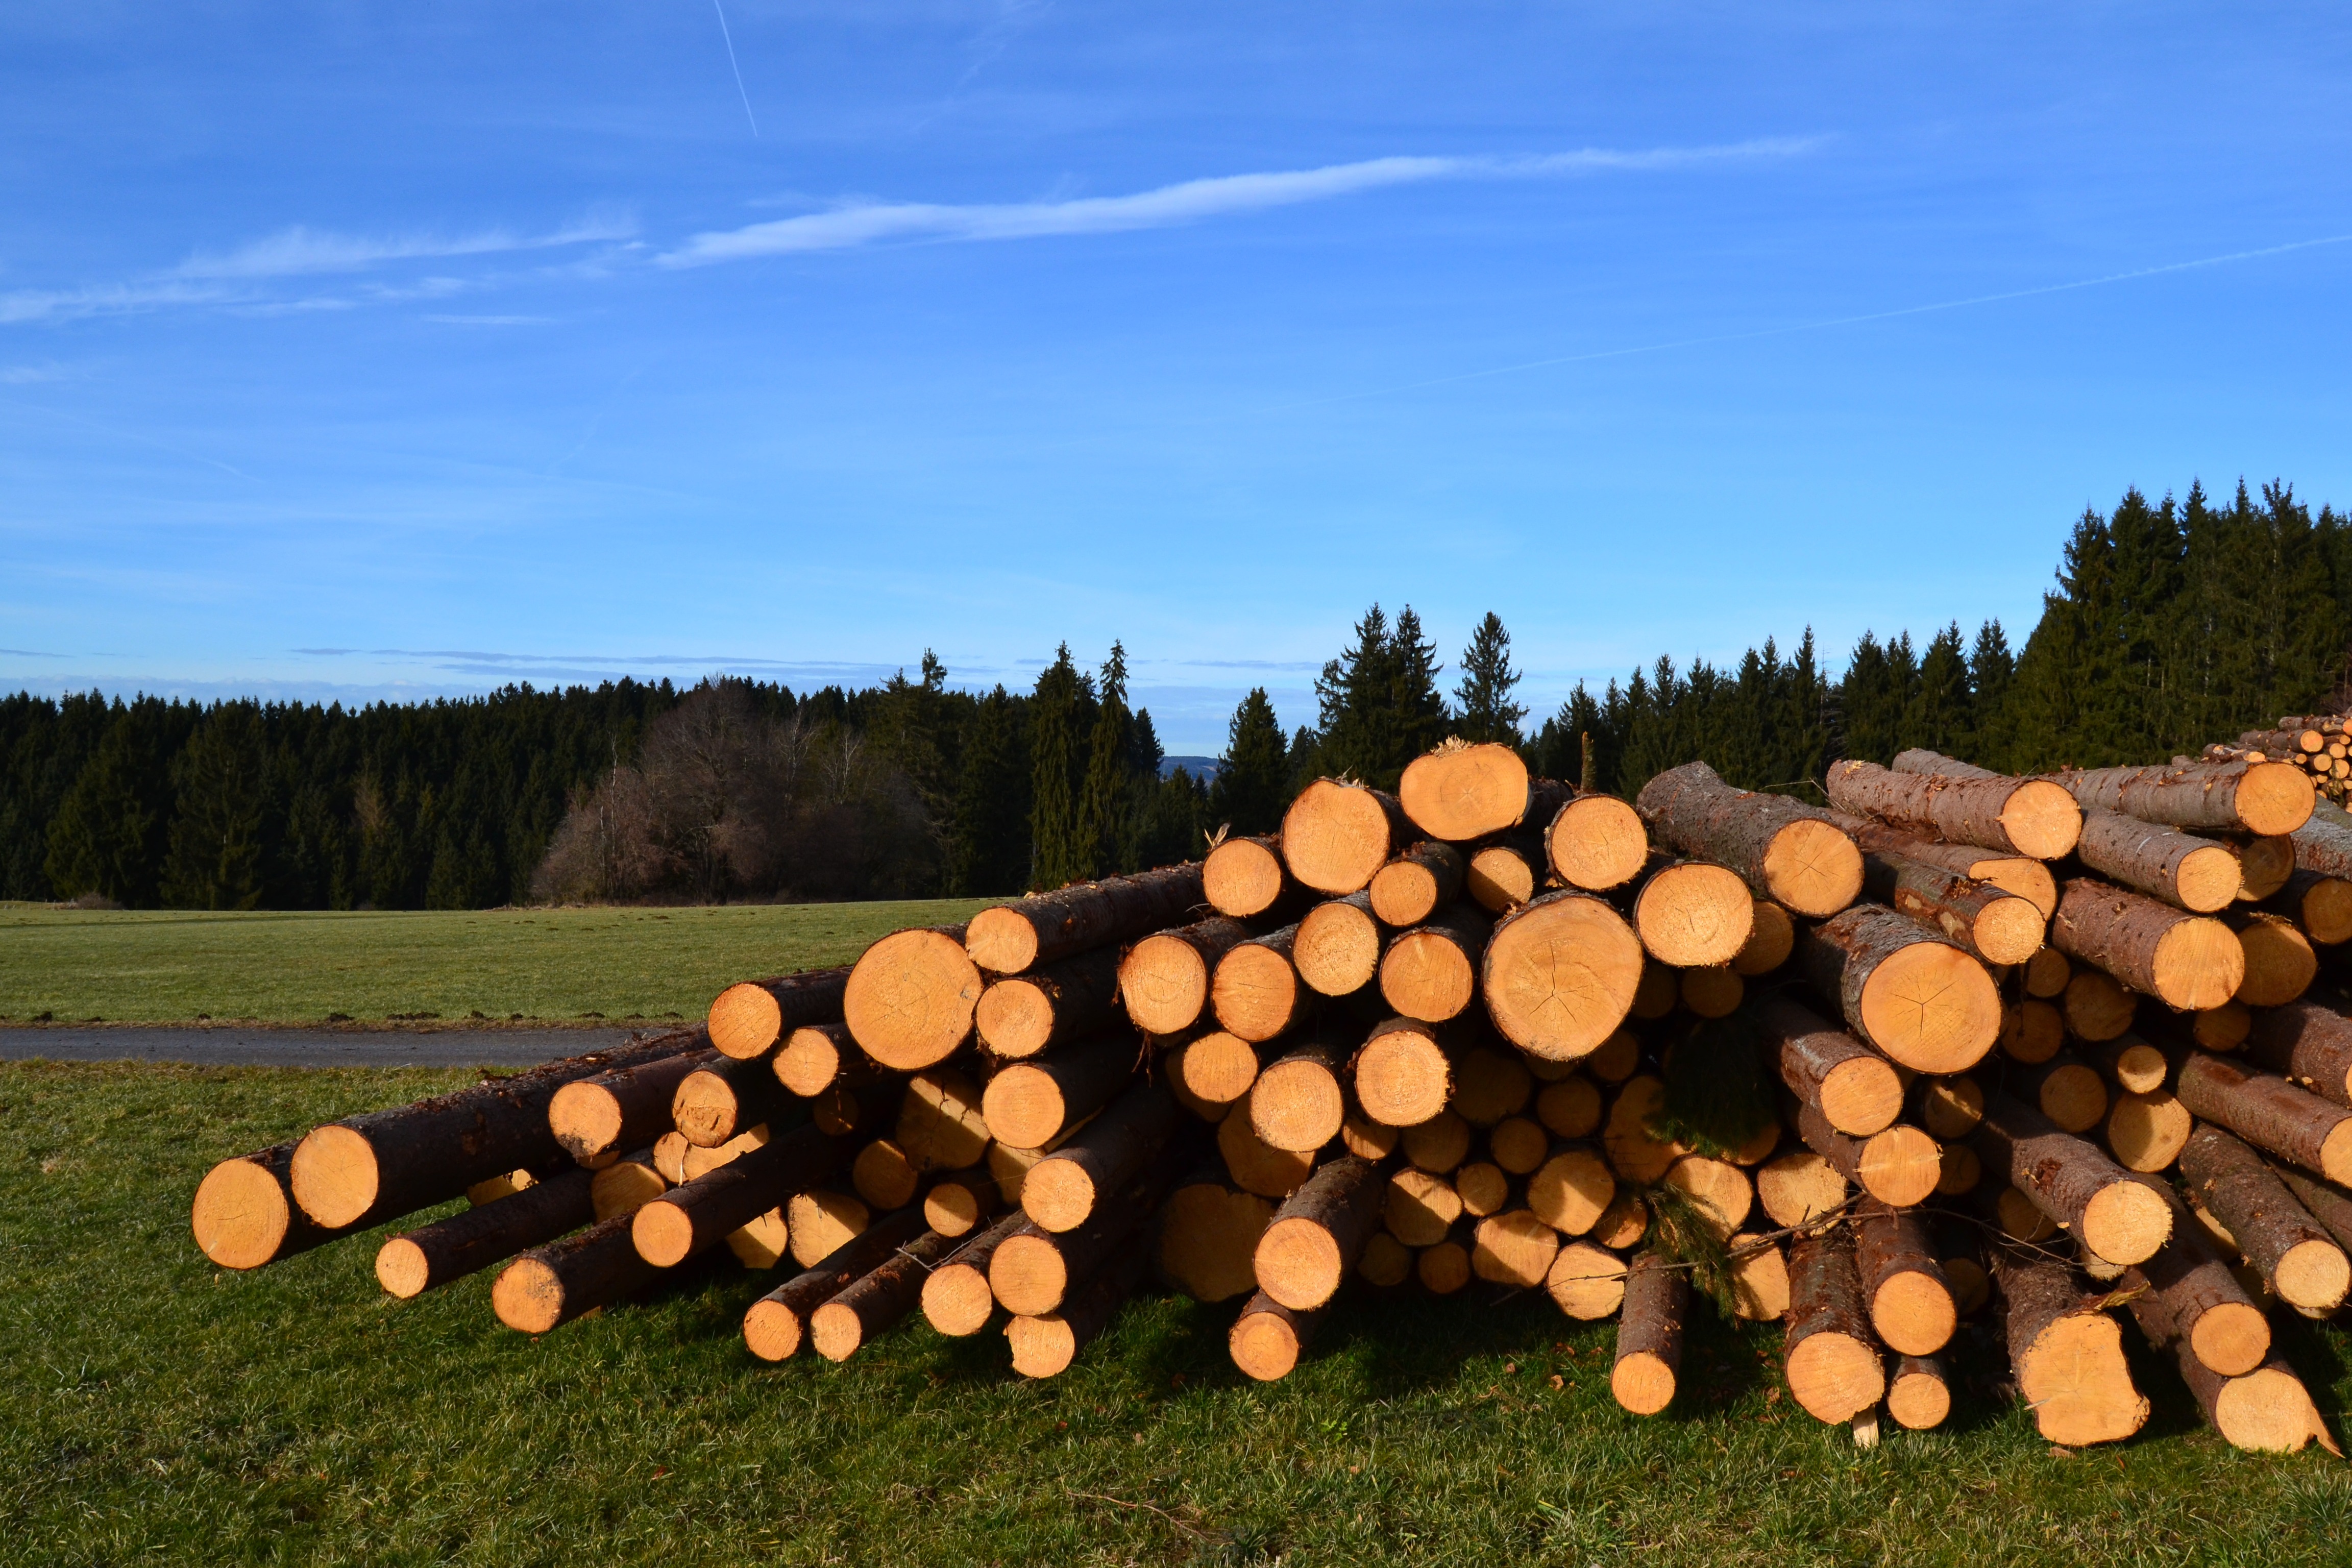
1650	1336
816	1057
881	1297
2014	874
1431	972
2192	873
1023	1014
2307	1043
1046	1346
1164	978
2265	1411
1267	1338
1559	974
1014	938
2294	1253
1505	872
698	1215
2264	797
1791	854
1899	1165
1902	1284
2072	1183
2279	964
724	1098
2186	1293
1067	1187
1421	879
1300	1100
1462	790
1257	1165
1918	1393
1800	1187
1336	834
550	1286
777	1324
1936	798
747	1020
244	1214
623	1108
1209	1232
1587	1281
409	1265
1858	1090
1913	995
1337	949
1831	1360
910	997
956	1299
368	1169
1314	1240
1596	842
1691	912
1979	918
2186	961
1032	1104
1245	879
2270	1113
1255	993
2067	1355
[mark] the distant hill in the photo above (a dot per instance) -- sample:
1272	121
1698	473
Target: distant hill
1205	768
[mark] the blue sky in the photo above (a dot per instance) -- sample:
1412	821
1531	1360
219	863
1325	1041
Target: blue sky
366	350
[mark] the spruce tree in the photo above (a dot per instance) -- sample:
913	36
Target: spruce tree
1057	766
1942	714
1253	786
1107	793
1380	704
1488	712
1991	668
988	850
218	829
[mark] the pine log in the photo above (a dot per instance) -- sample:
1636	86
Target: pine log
1918	1393
1791	854
1419	1208
1313	1242
1386	1263
1858	1090
2307	1043
1719	1192
1622	1225
1571	1190
1023	1014
1519	1144
1512	1249
1484	1188
623	1108
2097	1005
1030	1104
2067	1357
698	1215
2279	964
2188	961
1961	1172
2320	906
368	1169
2329	1207
2271	1113
1267	1338
1759	1280
2186	1293
1936	798
1914	996
1444	1268
1690	913
1634	1151
2265	1411
2033	1031
411	1264
1489	1085
1210	1071
1257	1165
724	1097
2264	865
1771	937
1164	978
1300	1100
777	1324
1615	1059
1046	1346
1899	1165
1067	1187
1569	1108
1832	1361
2067	1090
1650	1336
1596	842
1336	834
2294	1253
1910	1301
2146	1132
1245	879
1949	1108
747	1020
1402	1075
1431	972
1421	879
670	1151
625	1186
2014	874
550	1286
1505	872
1014	938
2264	797
880	1298
1798	1188
1255	992
1209	1231
244	1214
1337	949
1977	917
1464	790
1559	974
2047	971
1034	1271
1586	1281
957	1203
957	1300
884	1176
2072	1183
1437	1146
910	997
2192	873
2135	1066
815	1058
942	1121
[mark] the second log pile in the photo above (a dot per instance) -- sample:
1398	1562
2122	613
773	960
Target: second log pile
2048	1050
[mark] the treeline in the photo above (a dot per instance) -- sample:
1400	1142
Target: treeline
2170	624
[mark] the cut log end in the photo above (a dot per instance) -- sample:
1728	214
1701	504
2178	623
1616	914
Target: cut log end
1901	1166
1208	1241
663	1234
1403	1077
745	1020
586	1116
771	1330
2125	1223
2275	798
819	1222
1759	1281
1771	937
402	1268
1028	1275
1425	974
527	1297
835	1331
2268	1411
1694	914
1835	1375
1164	982
1242	878
957	1300
241	1215
1014	1017
1597	842
1861	1095
1042	1346
1643	1382
1255	993
2313	1275
1298	1264
2280	964
1918	1398
1458	792
2042	820
1501	878
1587	1282
2206	880
1263	1345
910	997
1215	1070
2076	1379
1298	1105
1001	941
2199	963
1059	1194
1515	1248
1561	976
1914	1313
1813	868
1335	837
2008	930
335	1175
1024	1107
2232	1337
1337	949
1932	1008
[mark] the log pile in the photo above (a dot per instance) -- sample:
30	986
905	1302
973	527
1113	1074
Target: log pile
2031	1052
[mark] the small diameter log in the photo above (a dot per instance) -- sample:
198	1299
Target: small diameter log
2146	1132
2028	880
2264	866
1300	1100
1660	990
698	1215
550	1286
625	1186
910	997
1267	1338
2067	1355
1164	978
1634	1152
2067	1090
2262	797
1650	1336
1023	1014
1832	1361
1900	1165
1489	1085
1622	1225
1689	912
1570	1107
624	1108
1336	836
2294	1253
1014	938
1858	1090
1759	1280
1465	790
1979	918
2324	1204
1209	1231
2270	1113
1559	974
245	1216
942	1121
1030	1104
724	1098
2033	1031
777	1325
407	1266
1596	842
1506	872
1431	972
1936	798
957	1300
2097	1005
878	1299
1210	1071
1046	1346
1244	879
1444	1268
959	1201
1719	1191
1255	993
2279	964
1586	1281
1949	1108
884	1176
2266	1411
2047	971
1315	1238
1033	1272
1512	1249
2132	1064
1798	1188
747	1020
1910	1301
1257	1165
1791	854
1337	949
670	1151
1771	937
1918	1393
1386	1263
1402	1075
1484	1188
2186	1293
2191	873
2321	906
368	1169
2072	1183
1914	996
1067	1187
1418	1208
1422	879
1571	1191
816	1057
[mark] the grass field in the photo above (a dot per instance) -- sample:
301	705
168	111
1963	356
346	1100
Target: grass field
543	966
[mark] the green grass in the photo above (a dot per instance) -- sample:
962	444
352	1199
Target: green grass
549	965
160	1410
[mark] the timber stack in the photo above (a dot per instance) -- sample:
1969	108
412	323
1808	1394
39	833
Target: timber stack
2050	1054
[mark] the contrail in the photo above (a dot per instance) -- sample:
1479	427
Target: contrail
732	64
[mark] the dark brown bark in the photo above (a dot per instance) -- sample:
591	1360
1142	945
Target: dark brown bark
623	1108
244	1214
1913	995
1910	1301
747	1020
722	1098
2187	1292
2066	1353
2331	1208
1791	854
2186	961
1559	974
2307	1043
1245	878
776	1326
1650	1335
1023	1014
698	1214
414	1263
1418	880
1312	1245
1269	1337
2072	1181
2270	1113
551	1285
2302	1262
1431	972
1063	1190
2026	879
1979	918
1899	1165
1595	842
1831	1357
2180	869
1031	1104
1164	978
1011	938
1960	805
880	1298
1336	834
956	1298
1255	990
2250	797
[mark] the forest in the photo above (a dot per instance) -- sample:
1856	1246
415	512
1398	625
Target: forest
2169	624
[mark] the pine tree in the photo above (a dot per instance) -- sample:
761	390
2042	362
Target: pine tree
219	830
1107	793
1380	704
1253	786
988	851
112	828
1055	776
1488	712
1942	712
1991	669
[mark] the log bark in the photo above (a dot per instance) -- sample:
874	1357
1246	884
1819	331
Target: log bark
2324	845
1045	1347
1312	1244
1559	974
2191	873
2014	874
1024	1014
1791	854
2279	964
2307	1043
1431	972
1935	797
956	1299
1164	978
1015	937
2230	797
1245	879
368	1169
1337	949
1209	1232
1831	1360
881	1297
723	1097
621	1109
2294	1252
696	1216
1068	1187
1267	1339
1913	995
1300	1100
1417	882
409	1265
2186	1293
244	1214
2186	961
1690	913
747	1020
2072	1183
1918	1393
777	1324
1255	991
1979	918
550	1286
1505	872
1900	1165
2324	1204
1462	790
1902	1284
816	1057
1858	1090
1650	1336
1336	834
910	997
2270	1113
2320	906
2067	1355
2266	1411
1596	843
1029	1105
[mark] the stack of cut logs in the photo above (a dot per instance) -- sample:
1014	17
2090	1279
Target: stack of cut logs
2039	1052
2319	743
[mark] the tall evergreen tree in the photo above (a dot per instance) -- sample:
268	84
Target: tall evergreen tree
1253	786
219	834
989	851
1056	775
1380	704
1107	796
1486	711
112	828
1943	714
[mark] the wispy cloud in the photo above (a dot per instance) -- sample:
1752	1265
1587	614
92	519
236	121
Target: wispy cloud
492	320
1190	201
300	251
27	374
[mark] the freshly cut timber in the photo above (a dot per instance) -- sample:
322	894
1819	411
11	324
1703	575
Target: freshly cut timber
1208	1236
1719	1191
880	1298
910	997
2324	1204
1980	918
1759	1280
1014	938
777	1324
1559	974
2033	1031
1690	913
2067	1090
941	1123
1420	1208
2270	1113
1068	1187
747	1020
2264	797
1444	1268
808	1225
1571	1190
1634	1151
2028	880
1596	842
1208	1072
699	1214
1255	993
2321	906
2264	866
1337	949
1031	1104
2294	1252
1650	1335
1245	878
1046	1346
1033	1271
2195	874
724	1098
1918	1393
1937	797
884	1176
1800	1187
1402	1075
1164	979
2280	964
1313	1243
959	1201
1771	937
410	1265
1512	1249
1791	854
1463	790
244	1215
1484	1188
1900	1165
623	1108
626	1186
1336	834
1507	873
1489	1085
815	1058
1300	1100
957	1300
1832	1361
1422	879
550	1286
2266	1411
1432	971
372	1168
2047	971
1570	1107
1948	1108
2187	1292
2136	1067
1267	1338
2067	1354
2072	1183
1902	1282
2146	1132
1023	1014
1587	1281
1858	1090
1257	1165
2097	1005
1913	995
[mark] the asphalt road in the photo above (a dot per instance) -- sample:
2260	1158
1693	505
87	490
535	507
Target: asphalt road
229	1045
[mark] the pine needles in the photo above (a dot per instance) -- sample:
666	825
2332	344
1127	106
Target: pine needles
1717	1098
